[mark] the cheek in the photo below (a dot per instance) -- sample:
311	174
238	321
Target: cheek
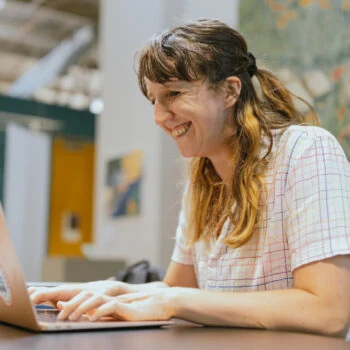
157	116
183	106
212	124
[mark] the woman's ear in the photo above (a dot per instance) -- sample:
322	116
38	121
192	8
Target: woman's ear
232	90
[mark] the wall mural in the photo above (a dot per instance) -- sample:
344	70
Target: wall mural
306	43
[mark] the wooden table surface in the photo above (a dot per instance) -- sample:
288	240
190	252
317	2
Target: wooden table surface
167	338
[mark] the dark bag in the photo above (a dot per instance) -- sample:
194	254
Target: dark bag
141	272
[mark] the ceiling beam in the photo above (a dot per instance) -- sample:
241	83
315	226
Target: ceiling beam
57	61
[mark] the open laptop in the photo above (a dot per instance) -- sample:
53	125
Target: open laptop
17	309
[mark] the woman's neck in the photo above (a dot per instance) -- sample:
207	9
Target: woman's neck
222	163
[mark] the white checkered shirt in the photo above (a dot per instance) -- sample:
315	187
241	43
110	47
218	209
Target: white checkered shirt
307	218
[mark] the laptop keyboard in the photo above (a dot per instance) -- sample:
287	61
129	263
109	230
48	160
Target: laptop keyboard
51	316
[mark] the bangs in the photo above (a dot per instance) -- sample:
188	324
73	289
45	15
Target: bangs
166	58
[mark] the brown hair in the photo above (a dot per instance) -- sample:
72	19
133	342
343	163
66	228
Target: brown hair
212	51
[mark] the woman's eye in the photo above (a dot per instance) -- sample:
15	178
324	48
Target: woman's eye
174	93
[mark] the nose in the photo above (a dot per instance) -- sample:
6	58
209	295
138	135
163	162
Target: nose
162	113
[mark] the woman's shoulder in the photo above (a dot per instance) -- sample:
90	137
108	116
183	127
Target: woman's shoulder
307	132
297	139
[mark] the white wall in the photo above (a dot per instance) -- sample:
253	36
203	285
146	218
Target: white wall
26	193
127	124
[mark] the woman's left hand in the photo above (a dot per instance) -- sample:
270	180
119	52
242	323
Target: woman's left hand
144	306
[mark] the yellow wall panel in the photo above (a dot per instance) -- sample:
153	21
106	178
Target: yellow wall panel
71	209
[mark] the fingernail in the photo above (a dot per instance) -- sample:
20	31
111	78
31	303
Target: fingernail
92	318
60	315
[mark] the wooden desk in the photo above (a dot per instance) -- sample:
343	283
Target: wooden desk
168	338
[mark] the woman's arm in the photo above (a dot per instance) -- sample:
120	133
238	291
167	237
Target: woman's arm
178	275
319	302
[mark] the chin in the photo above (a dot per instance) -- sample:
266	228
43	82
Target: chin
186	153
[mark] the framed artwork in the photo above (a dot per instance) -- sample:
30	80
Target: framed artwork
123	184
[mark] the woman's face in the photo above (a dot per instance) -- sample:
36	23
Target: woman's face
198	118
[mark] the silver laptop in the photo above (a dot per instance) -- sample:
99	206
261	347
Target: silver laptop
17	309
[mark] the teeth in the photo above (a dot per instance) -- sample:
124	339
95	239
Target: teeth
181	131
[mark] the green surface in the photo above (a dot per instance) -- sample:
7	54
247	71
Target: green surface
75	123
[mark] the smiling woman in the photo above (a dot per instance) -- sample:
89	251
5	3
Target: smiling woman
263	239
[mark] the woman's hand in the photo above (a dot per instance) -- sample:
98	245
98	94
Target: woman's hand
143	306
65	292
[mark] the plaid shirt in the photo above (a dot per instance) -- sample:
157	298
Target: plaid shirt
307	218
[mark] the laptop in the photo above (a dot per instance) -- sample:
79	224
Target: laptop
17	309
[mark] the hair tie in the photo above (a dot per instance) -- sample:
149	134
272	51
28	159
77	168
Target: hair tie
252	68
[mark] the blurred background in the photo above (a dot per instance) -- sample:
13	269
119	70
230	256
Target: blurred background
88	183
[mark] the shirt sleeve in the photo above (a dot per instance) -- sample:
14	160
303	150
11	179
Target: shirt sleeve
317	198
182	253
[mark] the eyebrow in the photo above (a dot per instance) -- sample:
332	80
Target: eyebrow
176	84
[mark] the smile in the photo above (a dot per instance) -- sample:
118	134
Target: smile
181	129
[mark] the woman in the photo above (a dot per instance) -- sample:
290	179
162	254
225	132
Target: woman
263	239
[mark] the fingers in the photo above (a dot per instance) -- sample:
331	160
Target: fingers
112	308
52	294
40	295
80	304
138	307
32	290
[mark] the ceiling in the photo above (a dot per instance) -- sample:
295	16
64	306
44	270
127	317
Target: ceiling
31	29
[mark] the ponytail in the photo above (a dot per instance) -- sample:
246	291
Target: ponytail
276	97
